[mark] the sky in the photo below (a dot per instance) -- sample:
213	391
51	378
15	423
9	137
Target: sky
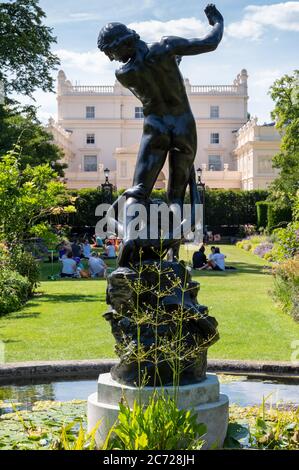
261	36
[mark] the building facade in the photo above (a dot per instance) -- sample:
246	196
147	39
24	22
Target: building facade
101	126
255	147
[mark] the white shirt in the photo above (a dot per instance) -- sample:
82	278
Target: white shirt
96	265
218	258
69	266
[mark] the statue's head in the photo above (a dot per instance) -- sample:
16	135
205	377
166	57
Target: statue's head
117	41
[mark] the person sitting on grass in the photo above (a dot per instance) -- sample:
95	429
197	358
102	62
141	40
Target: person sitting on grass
199	258
76	249
86	249
212	252
98	242
69	265
217	262
97	266
110	251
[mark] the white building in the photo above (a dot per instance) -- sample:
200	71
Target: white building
255	147
101	126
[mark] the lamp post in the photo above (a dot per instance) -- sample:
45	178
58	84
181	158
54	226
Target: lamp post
107	188
201	188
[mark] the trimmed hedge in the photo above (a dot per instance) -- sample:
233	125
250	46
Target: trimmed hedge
223	207
278	216
262	208
228	207
270	217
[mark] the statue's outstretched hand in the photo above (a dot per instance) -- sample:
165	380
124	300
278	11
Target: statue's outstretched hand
214	16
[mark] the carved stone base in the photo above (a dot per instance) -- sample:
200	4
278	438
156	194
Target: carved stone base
174	333
203	398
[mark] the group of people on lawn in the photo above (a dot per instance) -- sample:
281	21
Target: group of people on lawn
215	261
71	255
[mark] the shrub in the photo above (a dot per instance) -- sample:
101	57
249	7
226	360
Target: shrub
260	245
159	426
244	244
269	216
287	240
258	239
246	230
263	248
4	257
286	286
278	216
14	291
262	213
25	264
270	255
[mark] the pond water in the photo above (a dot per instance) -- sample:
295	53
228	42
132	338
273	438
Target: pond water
243	391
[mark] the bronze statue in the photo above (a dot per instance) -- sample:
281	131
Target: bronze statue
151	73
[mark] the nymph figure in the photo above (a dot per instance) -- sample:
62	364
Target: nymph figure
151	73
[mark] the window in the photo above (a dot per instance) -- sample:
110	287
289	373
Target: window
214	138
90	139
265	165
214	112
139	112
90	112
123	170
215	163
90	163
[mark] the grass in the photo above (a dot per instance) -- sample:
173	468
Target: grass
64	321
251	325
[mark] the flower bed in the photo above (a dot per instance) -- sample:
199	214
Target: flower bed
286	286
259	245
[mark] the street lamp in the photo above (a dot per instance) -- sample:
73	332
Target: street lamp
201	188
107	173
107	188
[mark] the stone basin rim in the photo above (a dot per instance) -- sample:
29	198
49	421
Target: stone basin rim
90	369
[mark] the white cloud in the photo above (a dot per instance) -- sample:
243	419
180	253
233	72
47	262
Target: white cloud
265	78
116	8
153	30
245	29
260	102
282	16
45	102
87	64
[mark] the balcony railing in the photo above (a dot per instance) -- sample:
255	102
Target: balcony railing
195	89
215	89
85	89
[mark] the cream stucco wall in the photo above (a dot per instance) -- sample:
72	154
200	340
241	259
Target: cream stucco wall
117	133
255	148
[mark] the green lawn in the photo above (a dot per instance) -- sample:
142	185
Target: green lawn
64	321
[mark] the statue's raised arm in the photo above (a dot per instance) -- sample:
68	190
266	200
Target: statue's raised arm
181	46
151	73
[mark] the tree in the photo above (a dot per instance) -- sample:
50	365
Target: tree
28	197
36	145
26	59
285	93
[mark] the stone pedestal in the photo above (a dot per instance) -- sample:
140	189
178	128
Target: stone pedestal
203	398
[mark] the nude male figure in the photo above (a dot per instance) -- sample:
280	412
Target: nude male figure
151	73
